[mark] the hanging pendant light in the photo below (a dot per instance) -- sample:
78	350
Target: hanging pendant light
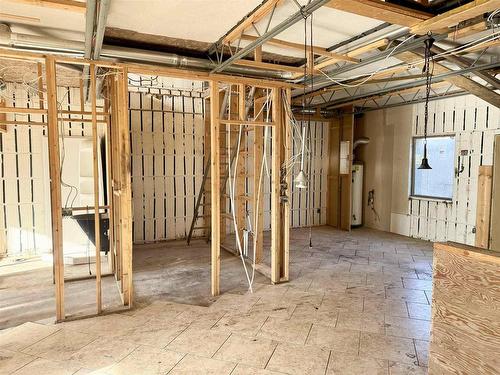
301	179
428	74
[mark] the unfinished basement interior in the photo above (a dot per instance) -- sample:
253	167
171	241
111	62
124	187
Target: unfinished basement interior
249	187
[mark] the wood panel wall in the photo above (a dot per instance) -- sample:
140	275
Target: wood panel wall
465	333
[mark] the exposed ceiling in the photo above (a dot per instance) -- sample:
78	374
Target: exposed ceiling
191	27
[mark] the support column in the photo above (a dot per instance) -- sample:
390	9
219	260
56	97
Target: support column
125	188
95	157
276	235
215	185
258	150
55	185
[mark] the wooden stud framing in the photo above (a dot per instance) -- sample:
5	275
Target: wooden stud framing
125	189
239	187
215	186
95	175
55	185
258	149
275	190
285	212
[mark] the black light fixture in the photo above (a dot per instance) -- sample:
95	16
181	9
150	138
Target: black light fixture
428	75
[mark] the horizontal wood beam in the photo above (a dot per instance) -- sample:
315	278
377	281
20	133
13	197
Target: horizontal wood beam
252	123
254	17
300	47
455	16
71	5
382	11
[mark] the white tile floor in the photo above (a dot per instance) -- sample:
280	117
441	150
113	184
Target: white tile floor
357	303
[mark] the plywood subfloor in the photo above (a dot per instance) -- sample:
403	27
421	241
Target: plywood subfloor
357	303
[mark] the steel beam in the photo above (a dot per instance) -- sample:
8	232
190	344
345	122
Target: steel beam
296	17
417	83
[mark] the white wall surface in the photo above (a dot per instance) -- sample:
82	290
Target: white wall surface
387	159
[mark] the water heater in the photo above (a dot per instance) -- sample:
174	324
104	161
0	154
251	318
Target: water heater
357	194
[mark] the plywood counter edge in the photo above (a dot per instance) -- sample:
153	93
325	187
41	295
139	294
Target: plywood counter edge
468	251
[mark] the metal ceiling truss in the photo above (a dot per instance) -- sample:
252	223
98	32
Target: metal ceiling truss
302	13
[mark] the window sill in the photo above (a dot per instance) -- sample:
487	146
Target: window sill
431	199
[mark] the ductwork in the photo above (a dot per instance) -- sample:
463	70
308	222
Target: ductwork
47	44
360	141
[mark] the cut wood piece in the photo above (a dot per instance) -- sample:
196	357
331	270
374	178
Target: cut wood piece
263	10
71	5
381	10
483	210
465	83
455	16
300	47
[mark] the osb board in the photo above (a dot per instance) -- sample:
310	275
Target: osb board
465	311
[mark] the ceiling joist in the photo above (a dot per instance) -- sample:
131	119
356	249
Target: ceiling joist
455	16
262	11
382	11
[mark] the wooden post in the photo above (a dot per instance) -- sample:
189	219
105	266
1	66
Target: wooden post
258	149
3	117
40	85
275	189
285	212
484	187
125	189
109	191
239	188
97	218
55	185
215	184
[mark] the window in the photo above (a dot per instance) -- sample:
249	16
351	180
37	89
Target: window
438	181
